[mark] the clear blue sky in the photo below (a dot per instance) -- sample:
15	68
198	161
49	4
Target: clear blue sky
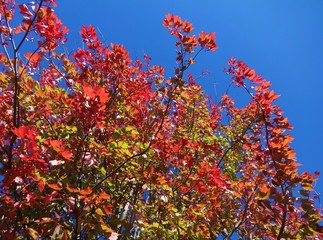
281	39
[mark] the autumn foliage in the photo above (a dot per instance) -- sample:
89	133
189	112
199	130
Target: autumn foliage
95	145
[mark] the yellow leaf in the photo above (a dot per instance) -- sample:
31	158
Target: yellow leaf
3	78
106	228
99	212
33	233
159	81
307	186
184	94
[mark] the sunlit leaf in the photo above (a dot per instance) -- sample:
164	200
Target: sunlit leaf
33	233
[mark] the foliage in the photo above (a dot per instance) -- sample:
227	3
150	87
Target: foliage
96	145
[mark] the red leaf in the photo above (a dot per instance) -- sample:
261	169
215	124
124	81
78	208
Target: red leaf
102	94
21	131
24	10
271	96
89	91
59	148
41	185
176	148
66	154
94	92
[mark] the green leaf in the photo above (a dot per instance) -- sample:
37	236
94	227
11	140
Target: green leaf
113	145
126	151
116	134
123	144
129	128
103	171
134	132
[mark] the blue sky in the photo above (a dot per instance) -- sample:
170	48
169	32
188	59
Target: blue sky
281	39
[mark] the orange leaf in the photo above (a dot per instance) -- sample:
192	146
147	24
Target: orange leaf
271	96
65	235
104	195
34	59
86	191
107	209
102	94
55	143
54	186
71	190
250	73
191	61
264	192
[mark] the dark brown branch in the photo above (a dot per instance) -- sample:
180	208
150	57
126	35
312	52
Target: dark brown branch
29	27
244	215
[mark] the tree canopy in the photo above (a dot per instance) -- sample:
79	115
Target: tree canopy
95	145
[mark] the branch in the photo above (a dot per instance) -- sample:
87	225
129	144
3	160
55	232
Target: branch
3	149
146	149
235	142
28	60
29	27
7	53
8	26
284	217
282	227
240	222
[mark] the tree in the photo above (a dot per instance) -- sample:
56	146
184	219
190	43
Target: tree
96	145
